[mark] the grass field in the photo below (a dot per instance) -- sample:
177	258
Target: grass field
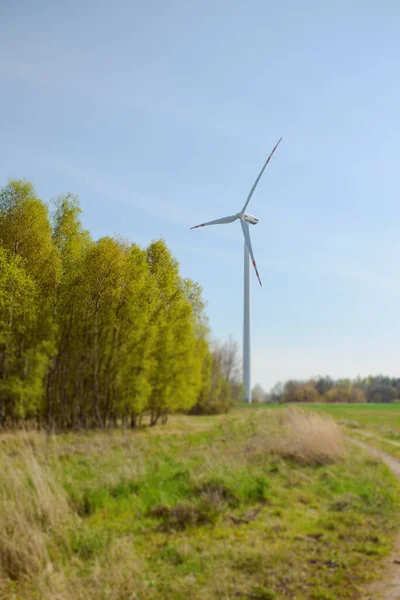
378	424
376	417
259	504
379	417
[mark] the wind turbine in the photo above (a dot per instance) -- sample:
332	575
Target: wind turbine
245	219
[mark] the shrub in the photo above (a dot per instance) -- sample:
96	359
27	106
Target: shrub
304	436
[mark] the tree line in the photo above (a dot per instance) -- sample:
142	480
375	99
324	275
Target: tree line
98	333
372	389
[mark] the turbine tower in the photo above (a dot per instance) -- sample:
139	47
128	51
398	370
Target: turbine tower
245	220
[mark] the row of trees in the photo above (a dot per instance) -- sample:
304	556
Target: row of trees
373	389
96	333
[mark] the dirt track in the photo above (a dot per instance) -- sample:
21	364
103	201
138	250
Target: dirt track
388	586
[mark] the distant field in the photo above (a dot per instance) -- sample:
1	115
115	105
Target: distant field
377	424
259	504
374	416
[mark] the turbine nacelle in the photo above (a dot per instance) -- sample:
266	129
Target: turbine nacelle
252	219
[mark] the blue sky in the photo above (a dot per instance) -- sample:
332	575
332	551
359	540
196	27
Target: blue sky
160	115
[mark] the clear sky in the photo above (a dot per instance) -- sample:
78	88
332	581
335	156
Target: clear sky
159	115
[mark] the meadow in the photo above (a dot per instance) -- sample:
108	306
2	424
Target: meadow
378	417
257	504
377	424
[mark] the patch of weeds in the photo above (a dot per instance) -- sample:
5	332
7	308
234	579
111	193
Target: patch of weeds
245	519
344	503
172	555
258	493
259	592
251	562
321	594
329	525
186	514
371	549
303	499
235	486
218	488
89	501
87	542
274	467
125	488
167	484
189	567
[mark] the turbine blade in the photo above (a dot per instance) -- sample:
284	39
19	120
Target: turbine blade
259	177
246	233
218	221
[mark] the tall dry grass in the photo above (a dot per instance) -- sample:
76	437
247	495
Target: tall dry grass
37	524
307	437
34	515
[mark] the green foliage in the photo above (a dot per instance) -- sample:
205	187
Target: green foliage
95	334
25	231
176	377
221	381
23	356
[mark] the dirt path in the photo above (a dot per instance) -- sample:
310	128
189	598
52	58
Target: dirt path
388	586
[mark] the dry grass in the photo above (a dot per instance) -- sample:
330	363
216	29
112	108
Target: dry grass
34	510
306	437
37	523
115	577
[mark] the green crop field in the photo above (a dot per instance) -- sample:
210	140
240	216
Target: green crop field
373	416
258	504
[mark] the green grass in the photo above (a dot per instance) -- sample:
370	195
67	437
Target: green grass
380	420
359	420
379	417
373	416
204	509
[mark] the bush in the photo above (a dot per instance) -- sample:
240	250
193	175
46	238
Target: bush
304	436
